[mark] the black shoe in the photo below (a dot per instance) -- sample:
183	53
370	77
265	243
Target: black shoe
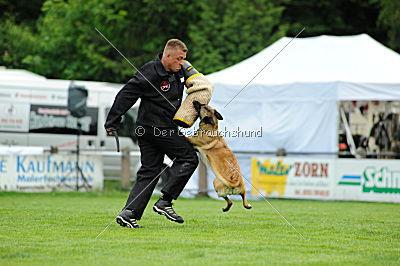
164	207
126	219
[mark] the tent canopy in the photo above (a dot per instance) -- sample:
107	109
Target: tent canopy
294	99
356	59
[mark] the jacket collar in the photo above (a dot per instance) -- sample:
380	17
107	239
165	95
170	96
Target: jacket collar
159	66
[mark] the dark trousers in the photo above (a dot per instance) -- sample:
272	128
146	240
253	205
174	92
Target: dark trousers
154	144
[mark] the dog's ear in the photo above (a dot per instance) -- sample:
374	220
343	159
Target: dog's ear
208	120
218	115
197	105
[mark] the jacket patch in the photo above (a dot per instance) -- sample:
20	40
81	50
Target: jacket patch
165	86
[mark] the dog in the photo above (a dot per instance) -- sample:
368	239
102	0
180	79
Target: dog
217	155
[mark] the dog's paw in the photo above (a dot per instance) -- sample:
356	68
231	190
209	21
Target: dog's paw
227	208
248	206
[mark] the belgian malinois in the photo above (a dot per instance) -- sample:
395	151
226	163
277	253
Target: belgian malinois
217	155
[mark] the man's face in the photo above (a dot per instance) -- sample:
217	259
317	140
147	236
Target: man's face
174	60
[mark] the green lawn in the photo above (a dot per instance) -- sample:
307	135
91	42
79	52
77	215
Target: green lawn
61	228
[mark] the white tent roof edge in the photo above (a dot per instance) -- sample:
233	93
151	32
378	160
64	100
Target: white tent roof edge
356	58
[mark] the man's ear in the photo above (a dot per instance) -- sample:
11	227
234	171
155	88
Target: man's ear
197	106
218	115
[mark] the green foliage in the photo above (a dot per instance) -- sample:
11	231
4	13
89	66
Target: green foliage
17	43
57	38
69	46
389	17
229	31
150	24
21	11
340	17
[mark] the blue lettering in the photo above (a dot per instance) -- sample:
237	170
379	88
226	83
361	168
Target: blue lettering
34	166
90	165
20	164
58	167
38	168
48	163
29	179
69	167
3	168
31	167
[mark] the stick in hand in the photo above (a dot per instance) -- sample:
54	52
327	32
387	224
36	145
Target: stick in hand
113	132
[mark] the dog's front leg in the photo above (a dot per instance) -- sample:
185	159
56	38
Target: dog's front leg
195	141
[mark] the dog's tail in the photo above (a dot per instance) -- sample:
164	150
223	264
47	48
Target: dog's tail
229	176
223	180
232	181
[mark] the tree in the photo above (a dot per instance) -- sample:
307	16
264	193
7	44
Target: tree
229	31
340	17
17	31
21	11
16	43
389	17
58	39
69	47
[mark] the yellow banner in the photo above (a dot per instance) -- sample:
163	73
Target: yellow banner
269	177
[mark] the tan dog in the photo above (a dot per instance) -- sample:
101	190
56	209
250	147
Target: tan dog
218	156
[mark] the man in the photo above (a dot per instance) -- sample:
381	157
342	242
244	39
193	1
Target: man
159	84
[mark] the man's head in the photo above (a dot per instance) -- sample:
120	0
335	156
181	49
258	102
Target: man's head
173	55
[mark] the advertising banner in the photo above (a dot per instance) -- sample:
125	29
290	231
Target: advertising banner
14	117
58	120
293	178
43	173
367	180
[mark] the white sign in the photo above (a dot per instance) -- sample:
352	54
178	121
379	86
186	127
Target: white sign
367	180
50	172
14	117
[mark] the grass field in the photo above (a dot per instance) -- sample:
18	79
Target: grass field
61	228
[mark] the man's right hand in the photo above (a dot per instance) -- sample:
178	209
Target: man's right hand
110	131
113	132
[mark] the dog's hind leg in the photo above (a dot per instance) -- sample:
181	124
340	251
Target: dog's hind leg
228	206
245	203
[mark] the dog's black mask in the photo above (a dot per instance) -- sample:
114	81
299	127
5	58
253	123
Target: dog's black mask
208	120
197	106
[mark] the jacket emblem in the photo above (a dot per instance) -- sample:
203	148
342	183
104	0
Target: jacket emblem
165	86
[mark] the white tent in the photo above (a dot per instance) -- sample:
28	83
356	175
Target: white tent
294	99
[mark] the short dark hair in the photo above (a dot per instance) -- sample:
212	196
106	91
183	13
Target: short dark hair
175	44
